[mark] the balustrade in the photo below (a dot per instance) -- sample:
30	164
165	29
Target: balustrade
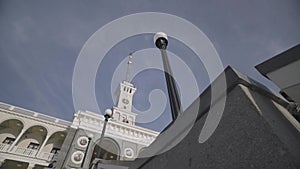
47	156
24	151
27	152
4	147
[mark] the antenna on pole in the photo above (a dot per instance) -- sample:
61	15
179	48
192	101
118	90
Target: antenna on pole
129	66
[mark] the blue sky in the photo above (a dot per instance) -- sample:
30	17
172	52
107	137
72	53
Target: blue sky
41	40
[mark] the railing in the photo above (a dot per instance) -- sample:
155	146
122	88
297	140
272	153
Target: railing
4	147
47	156
24	151
30	153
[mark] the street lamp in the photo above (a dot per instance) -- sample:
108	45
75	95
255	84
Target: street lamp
161	42
108	114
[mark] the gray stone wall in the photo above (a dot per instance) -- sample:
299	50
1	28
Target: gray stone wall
243	139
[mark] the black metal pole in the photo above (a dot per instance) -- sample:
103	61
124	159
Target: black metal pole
86	151
161	42
100	141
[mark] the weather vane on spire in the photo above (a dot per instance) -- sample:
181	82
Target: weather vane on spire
129	66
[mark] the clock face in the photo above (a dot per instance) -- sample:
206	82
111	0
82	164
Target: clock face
125	101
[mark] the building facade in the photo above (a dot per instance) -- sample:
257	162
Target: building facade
29	139
283	69
32	140
123	139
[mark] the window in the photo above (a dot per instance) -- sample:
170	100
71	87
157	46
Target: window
9	140
130	119
33	146
125	119
116	116
55	150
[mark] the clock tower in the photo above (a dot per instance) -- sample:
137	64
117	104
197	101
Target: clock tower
123	140
122	112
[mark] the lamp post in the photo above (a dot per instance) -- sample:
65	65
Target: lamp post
161	42
108	114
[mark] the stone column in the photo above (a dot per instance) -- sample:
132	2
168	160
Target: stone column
43	145
2	160
30	166
17	139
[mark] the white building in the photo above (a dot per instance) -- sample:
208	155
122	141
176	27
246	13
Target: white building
32	140
29	139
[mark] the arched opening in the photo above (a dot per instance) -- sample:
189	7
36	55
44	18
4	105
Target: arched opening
108	150
53	145
35	135
9	131
31	141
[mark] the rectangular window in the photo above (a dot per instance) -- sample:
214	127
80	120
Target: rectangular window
130	119
125	119
117	116
33	146
9	140
55	150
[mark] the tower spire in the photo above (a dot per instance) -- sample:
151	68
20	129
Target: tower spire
129	66
123	108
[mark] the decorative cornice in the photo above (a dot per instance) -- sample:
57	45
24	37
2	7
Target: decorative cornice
23	113
94	122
